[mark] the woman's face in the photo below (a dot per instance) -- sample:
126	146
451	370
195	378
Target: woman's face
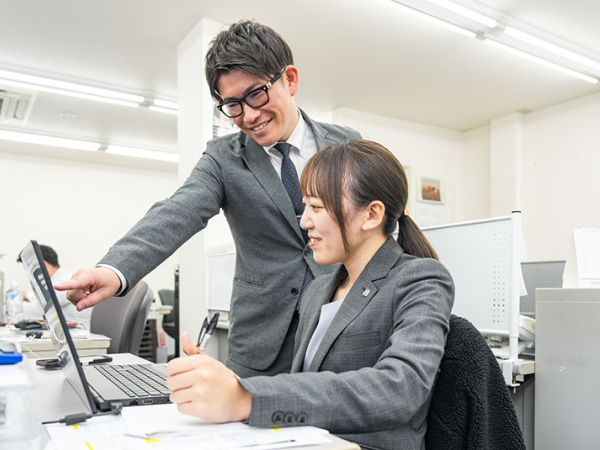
324	232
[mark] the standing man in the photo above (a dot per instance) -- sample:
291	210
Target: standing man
253	177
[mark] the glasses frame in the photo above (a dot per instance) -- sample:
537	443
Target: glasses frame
241	101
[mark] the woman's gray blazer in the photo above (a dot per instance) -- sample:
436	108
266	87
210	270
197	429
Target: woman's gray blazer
372	376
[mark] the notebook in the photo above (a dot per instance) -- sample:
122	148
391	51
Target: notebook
97	386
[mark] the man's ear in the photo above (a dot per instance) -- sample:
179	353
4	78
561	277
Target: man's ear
374	214
290	75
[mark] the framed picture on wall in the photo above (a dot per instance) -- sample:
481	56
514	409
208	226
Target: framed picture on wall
431	190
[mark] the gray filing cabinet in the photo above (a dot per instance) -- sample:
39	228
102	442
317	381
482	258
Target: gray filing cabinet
567	369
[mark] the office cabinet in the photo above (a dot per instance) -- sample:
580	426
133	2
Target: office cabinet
567	391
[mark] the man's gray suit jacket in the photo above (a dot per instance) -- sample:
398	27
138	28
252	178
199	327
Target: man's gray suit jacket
235	174
372	376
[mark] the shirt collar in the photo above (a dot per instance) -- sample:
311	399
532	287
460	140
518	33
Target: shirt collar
297	137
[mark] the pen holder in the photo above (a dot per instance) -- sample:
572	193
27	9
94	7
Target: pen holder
18	427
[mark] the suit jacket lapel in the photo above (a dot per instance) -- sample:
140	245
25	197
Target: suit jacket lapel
260	165
311	315
358	298
319	132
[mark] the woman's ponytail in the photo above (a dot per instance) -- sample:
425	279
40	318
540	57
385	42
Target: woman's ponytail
412	239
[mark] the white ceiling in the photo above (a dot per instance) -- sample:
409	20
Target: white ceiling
360	54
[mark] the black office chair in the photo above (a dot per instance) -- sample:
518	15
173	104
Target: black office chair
123	319
171	320
167	297
471	408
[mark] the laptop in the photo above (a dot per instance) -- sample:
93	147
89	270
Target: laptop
97	386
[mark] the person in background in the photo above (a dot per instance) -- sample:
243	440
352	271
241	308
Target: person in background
58	274
253	177
371	334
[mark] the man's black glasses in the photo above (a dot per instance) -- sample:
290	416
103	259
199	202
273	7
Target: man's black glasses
255	99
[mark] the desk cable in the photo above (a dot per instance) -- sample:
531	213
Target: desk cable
72	419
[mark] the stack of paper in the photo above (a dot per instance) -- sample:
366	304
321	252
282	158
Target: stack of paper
165	428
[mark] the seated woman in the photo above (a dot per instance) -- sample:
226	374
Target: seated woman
371	335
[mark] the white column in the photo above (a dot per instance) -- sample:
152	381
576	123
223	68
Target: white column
506	164
194	131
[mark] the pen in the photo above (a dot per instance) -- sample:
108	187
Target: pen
210	328
202	330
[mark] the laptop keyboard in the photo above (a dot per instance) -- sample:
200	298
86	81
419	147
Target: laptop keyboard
137	380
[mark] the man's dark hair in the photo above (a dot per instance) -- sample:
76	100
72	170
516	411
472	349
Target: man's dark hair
49	255
248	46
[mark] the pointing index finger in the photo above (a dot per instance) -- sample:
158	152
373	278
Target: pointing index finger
74	283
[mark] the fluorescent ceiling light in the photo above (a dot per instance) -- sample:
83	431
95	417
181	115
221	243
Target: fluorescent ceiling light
165	103
67	88
435	20
67	93
482	22
552	48
142	153
465	12
78	90
53	141
544	62
163	110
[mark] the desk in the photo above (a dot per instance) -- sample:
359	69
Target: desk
96	344
54	398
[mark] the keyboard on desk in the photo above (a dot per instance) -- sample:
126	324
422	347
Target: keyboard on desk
137	380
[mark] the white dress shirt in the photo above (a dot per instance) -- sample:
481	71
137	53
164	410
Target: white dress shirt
304	147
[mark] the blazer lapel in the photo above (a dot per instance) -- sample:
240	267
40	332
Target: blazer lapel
319	132
312	315
358	298
260	165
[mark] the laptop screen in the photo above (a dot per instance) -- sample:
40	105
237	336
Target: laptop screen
39	278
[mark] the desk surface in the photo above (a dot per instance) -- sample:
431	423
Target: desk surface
53	398
43	348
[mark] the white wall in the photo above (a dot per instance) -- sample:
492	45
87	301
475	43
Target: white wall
561	187
82	209
473	192
460	159
556	181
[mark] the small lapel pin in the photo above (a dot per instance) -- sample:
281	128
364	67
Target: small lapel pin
366	292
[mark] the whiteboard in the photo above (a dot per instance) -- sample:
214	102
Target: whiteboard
479	256
220	268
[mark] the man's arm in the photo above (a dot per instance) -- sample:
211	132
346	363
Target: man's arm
164	228
88	287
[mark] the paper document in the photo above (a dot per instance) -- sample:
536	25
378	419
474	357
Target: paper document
156	420
165	428
582	268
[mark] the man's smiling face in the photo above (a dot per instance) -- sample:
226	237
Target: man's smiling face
273	122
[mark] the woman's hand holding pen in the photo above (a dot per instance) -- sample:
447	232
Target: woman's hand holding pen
204	387
188	346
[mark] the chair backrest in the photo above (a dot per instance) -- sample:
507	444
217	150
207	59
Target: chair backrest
123	319
167	297
471	408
